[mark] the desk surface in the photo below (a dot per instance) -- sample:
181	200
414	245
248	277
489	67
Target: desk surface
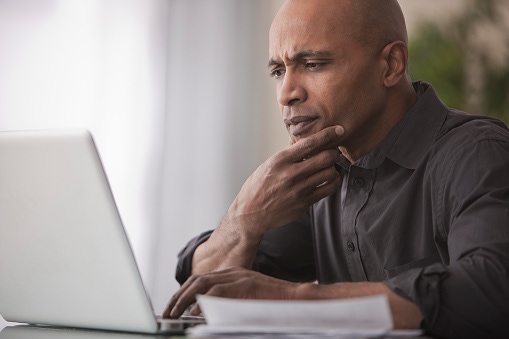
16	331
42	332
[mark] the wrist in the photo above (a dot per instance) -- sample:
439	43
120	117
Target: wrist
229	245
247	227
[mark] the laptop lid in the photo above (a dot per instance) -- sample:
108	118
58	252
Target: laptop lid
65	259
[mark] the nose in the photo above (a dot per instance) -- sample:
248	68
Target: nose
291	90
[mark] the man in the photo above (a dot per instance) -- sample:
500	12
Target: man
382	190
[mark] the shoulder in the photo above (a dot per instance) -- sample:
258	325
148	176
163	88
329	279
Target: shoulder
462	130
466	136
469	168
468	149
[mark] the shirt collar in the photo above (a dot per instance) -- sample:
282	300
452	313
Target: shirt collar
409	141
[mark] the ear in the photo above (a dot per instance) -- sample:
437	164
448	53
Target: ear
395	55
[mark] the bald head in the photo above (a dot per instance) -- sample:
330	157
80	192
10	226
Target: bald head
373	23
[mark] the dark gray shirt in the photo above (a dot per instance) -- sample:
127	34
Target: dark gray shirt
427	212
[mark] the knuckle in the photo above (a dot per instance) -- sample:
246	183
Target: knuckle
298	196
286	177
330	189
191	278
332	173
334	184
273	162
232	269
330	157
217	290
200	280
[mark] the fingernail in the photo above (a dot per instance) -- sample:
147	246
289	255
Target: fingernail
339	130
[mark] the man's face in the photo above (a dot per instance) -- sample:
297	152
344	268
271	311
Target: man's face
324	76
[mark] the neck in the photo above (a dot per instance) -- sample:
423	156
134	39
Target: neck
397	106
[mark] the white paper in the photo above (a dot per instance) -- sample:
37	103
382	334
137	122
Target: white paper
340	318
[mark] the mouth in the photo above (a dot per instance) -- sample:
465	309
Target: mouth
299	125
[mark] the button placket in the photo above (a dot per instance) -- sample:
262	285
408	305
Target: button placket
357	194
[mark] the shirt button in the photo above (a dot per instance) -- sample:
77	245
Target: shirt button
358	182
350	246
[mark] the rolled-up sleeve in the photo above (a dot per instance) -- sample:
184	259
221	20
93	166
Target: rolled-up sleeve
185	257
468	295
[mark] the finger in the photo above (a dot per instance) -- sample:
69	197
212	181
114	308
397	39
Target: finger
184	297
327	138
200	284
325	160
175	298
319	185
320	161
188	297
195	310
325	188
167	313
318	179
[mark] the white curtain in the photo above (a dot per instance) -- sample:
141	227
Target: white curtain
175	92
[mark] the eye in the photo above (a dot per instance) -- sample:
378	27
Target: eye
312	65
277	73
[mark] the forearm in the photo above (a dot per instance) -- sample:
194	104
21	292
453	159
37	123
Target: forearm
405	314
232	244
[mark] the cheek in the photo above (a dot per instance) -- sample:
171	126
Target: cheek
335	102
324	96
347	100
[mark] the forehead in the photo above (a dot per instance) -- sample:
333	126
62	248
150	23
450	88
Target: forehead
309	25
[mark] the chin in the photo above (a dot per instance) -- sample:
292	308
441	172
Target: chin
296	138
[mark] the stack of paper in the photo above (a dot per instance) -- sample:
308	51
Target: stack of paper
340	318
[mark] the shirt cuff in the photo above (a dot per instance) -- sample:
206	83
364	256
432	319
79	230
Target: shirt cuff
421	286
185	257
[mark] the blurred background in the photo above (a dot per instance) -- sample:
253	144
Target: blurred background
462	48
178	97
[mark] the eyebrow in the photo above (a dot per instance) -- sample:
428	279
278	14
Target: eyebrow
303	55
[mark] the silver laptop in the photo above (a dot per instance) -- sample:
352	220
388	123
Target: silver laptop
65	259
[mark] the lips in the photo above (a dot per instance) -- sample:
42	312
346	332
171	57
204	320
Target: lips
299	125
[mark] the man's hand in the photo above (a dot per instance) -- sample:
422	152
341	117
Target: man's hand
285	185
279	191
230	283
246	284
